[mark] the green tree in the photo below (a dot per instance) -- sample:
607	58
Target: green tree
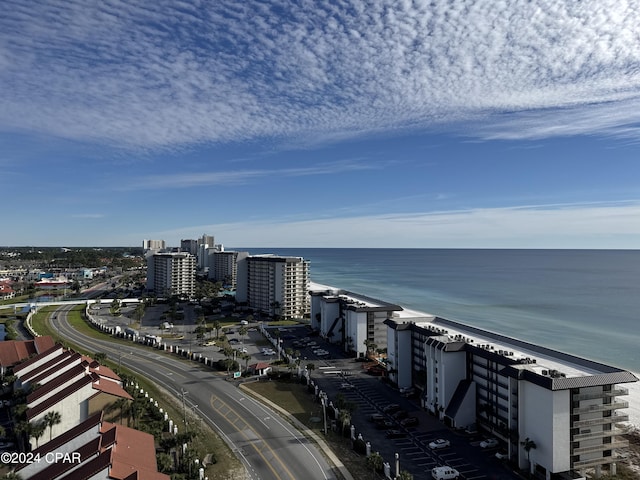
528	445
217	326
114	309
100	357
51	419
404	475
37	430
138	313
242	331
374	462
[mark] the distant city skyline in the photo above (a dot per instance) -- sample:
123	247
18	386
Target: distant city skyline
323	124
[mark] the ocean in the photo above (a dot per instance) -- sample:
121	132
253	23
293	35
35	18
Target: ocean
584	302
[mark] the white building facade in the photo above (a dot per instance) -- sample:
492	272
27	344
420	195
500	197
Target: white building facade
514	391
224	267
275	285
170	274
352	320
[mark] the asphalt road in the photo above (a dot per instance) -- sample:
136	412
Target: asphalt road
269	447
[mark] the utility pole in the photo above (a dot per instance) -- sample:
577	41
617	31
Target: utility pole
184	410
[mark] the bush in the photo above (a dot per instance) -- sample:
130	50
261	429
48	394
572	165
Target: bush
360	446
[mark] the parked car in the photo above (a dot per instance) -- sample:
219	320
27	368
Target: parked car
395	434
410	422
234	341
400	414
376	418
502	455
346	386
244	322
489	443
385	425
439	443
444	473
393	407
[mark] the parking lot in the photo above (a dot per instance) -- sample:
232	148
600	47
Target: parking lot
336	374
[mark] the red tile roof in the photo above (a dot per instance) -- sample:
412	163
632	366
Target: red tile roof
134	451
112	388
42	349
13	352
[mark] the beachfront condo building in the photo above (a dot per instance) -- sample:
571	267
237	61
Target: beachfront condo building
553	413
153	245
275	285
171	274
350	319
223	267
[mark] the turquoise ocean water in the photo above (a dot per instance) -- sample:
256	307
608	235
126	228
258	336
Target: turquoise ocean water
584	302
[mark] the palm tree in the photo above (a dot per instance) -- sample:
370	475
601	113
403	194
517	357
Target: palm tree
404	475
374	461
344	417
217	325
37	430
528	445
138	313
50	419
242	331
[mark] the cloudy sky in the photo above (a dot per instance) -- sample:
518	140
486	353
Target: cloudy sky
283	123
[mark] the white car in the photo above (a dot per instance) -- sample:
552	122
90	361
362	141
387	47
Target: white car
445	473
268	351
242	349
489	443
439	443
244	322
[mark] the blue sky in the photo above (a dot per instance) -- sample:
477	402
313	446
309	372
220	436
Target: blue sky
492	124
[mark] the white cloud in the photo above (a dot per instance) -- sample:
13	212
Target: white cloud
166	74
590	225
198	179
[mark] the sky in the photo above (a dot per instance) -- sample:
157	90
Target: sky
314	123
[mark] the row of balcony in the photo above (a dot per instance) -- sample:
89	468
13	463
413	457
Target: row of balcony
601	447
615	392
600	421
597	434
593	462
602	407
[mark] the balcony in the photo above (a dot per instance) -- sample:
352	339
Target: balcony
597	434
600	421
604	407
593	462
616	392
602	447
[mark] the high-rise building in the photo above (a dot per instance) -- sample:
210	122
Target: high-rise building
171	274
223	267
189	246
205	246
275	285
155	245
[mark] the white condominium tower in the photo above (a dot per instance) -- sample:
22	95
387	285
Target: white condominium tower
223	267
275	285
171	274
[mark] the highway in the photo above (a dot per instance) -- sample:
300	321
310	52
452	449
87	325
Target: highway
269	447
